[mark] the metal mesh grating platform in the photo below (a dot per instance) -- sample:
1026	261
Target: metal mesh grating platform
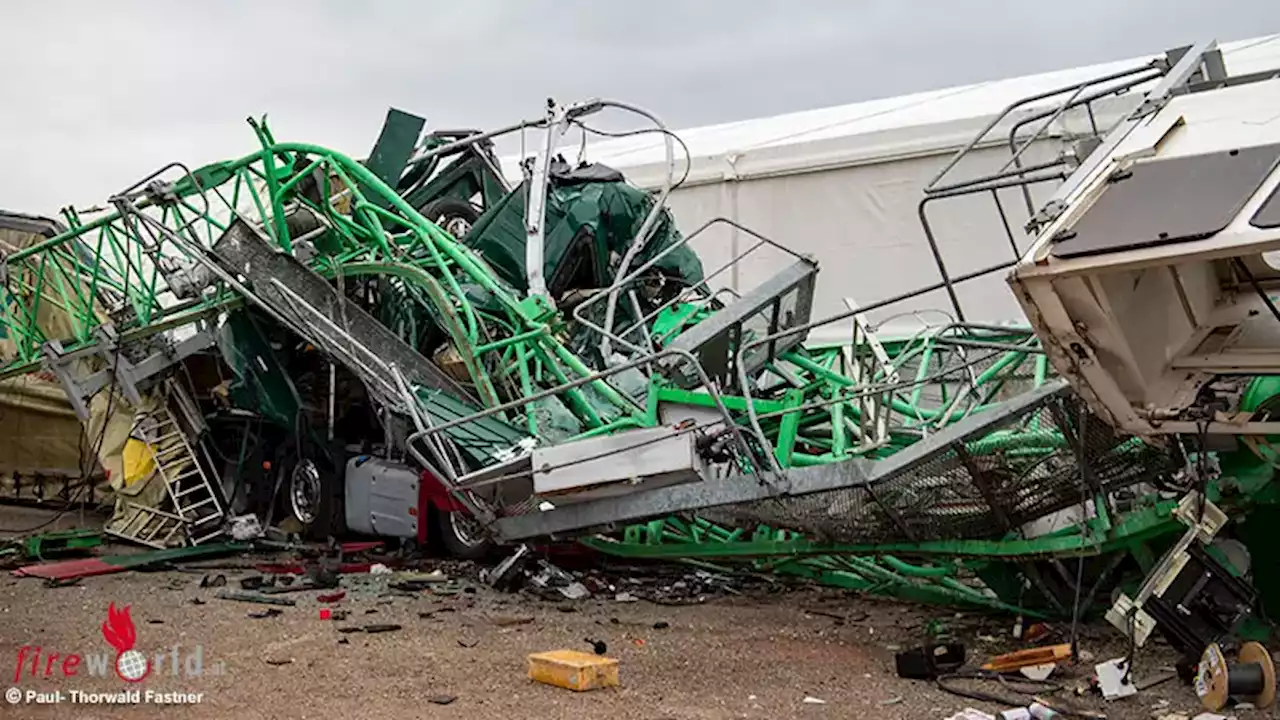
978	488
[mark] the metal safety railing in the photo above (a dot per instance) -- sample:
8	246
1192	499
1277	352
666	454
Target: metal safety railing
1164	76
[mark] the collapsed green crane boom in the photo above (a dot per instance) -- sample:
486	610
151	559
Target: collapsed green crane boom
517	369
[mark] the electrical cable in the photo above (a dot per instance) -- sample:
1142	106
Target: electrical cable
1084	507
645	233
1202	466
945	683
688	164
1131	621
1075	605
1022	687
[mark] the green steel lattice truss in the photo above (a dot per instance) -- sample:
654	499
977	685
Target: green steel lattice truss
118	268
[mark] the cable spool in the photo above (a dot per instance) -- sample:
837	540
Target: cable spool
1251	679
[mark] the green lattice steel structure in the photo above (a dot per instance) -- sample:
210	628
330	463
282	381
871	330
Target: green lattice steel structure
151	265
126	268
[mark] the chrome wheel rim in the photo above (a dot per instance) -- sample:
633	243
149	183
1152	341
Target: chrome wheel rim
304	491
466	529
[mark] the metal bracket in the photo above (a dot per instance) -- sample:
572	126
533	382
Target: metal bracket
1185	63
161	192
1204	520
1049	212
716	339
129	378
535	214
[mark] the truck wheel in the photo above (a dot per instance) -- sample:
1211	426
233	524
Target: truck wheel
311	492
461	536
454	215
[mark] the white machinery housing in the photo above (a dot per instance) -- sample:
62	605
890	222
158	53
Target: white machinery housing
1151	282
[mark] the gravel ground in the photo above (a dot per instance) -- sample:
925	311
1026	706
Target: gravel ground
744	656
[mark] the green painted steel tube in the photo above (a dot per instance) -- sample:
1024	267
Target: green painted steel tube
914	570
1136	526
513	340
526	384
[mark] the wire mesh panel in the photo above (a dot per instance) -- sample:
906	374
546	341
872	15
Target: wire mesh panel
979	487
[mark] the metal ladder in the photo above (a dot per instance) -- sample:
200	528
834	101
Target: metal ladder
862	360
197	513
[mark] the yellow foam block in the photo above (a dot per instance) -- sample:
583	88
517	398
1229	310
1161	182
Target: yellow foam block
573	670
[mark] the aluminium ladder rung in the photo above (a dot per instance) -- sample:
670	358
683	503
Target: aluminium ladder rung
160	525
169	450
188	491
157	432
194	472
200	504
166	438
172	472
216	517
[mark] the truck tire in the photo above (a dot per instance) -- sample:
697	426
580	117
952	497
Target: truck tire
460	536
311	492
454	215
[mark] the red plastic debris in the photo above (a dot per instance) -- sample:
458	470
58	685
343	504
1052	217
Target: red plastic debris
69	569
298	569
1038	631
331	597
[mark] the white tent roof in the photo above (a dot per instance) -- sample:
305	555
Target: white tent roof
946	117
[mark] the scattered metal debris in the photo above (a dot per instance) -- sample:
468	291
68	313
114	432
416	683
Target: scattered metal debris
256	582
551	578
109	564
382	373
252	597
510	620
416	581
929	661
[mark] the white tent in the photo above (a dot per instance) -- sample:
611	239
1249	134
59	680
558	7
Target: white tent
843	185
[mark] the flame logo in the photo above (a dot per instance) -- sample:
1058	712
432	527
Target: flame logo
118	631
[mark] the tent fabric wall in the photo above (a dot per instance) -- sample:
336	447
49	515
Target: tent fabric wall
843	184
860	223
884	127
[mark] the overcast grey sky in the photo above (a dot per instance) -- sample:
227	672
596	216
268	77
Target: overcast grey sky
99	93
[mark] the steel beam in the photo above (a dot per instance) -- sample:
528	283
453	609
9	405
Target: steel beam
735	489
